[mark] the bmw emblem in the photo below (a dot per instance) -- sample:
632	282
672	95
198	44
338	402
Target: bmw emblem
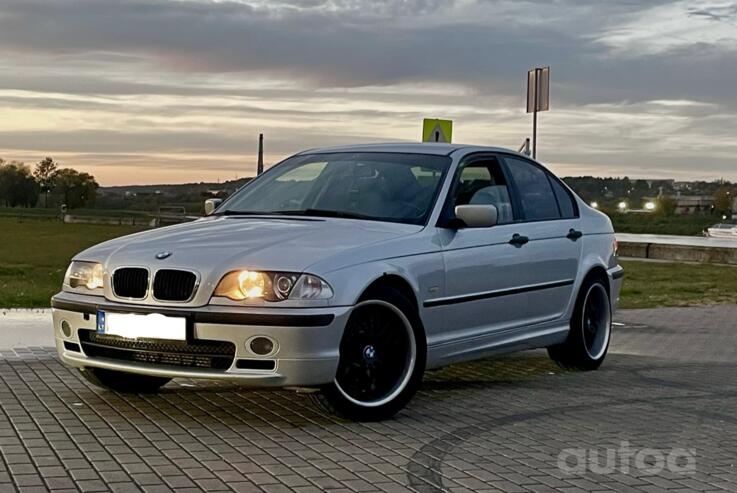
163	255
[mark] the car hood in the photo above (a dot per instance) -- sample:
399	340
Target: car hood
220	244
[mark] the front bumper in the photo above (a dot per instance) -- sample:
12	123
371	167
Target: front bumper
306	352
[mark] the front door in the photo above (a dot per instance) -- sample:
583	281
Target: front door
482	267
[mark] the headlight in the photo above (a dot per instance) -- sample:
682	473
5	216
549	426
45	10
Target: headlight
311	288
272	286
84	277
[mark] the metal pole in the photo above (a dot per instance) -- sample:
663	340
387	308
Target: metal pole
534	134
525	147
260	165
534	114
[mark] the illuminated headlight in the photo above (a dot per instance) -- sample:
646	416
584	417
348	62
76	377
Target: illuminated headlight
272	286
84	277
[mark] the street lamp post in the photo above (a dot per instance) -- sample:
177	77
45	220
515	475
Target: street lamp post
260	161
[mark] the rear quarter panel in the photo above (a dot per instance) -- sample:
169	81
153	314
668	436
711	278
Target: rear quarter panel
598	248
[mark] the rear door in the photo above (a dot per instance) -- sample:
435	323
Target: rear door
550	224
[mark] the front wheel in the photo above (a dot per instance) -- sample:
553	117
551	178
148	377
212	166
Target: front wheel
382	359
127	383
591	327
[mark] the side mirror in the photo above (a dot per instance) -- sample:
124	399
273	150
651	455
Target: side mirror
477	215
211	205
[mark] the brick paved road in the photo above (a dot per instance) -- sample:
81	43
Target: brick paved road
669	382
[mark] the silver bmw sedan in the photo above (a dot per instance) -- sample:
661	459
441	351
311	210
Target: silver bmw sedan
350	271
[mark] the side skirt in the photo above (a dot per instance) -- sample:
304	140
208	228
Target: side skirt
497	343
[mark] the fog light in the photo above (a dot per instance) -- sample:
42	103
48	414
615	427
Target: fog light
261	345
66	329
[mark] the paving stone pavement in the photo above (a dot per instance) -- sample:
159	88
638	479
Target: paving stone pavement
492	425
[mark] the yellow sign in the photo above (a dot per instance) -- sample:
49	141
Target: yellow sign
434	130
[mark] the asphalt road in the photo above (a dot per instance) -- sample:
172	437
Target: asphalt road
662	407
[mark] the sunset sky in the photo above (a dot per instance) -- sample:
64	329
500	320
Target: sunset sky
154	91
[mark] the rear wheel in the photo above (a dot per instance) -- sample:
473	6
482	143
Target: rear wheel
128	383
591	326
382	359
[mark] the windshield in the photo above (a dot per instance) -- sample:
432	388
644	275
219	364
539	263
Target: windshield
377	186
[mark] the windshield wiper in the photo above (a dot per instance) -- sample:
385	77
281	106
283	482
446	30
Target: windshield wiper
300	212
324	213
242	213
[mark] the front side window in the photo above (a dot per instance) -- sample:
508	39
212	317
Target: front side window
535	193
482	182
377	186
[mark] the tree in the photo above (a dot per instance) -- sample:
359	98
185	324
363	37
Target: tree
75	189
723	199
17	186
665	205
45	174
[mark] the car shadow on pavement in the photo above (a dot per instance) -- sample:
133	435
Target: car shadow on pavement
490	372
478	423
214	403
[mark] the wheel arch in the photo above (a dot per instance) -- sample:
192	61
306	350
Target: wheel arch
591	265
394	281
402	285
596	260
600	273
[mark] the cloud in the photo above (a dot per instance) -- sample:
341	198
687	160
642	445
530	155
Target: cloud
353	43
144	77
722	13
674	27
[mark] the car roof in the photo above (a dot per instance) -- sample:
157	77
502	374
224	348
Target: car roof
439	149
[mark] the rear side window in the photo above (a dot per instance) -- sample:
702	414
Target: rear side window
565	202
535	193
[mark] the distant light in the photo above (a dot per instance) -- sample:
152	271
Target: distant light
622	206
724	217
650	206
595	205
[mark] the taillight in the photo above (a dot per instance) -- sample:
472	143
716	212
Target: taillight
615	244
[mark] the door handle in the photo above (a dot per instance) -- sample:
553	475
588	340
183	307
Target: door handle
573	234
518	240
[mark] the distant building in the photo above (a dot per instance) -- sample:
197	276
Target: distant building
657	184
694	204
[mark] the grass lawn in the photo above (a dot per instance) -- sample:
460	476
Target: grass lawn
34	255
652	284
23	212
665	225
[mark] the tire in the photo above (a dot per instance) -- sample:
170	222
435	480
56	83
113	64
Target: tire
127	383
382	359
591	327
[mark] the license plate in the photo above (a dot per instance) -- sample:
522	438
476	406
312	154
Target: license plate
140	326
